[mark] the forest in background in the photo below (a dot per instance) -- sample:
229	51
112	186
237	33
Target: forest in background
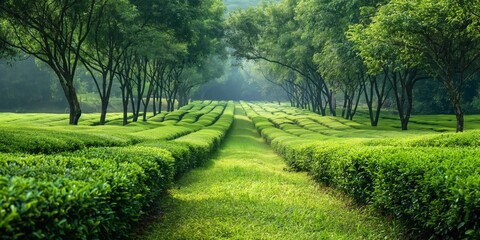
25	88
29	86
413	57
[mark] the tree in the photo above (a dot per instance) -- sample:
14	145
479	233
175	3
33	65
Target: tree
104	48
210	68
158	40
272	33
54	32
381	55
439	33
205	50
325	23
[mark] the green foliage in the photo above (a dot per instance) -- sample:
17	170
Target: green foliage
183	153
47	141
104	188
430	181
116	189
235	4
208	139
245	193
37	209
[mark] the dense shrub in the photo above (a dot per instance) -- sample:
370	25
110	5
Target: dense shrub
184	154
34	208
97	193
157	165
431	182
208	139
48	141
119	188
464	139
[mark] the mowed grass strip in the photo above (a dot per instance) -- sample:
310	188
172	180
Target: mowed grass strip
245	193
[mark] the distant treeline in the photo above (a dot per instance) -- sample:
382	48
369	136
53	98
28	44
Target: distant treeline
152	49
414	55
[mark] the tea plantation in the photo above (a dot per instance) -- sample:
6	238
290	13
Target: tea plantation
428	180
94	182
105	182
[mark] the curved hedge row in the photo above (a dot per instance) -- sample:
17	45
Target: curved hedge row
48	141
435	189
76	197
193	149
96	193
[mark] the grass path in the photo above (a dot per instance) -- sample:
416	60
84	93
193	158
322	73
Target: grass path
245	193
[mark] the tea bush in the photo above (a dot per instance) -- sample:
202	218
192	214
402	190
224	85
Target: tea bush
431	182
95	186
119	188
48	141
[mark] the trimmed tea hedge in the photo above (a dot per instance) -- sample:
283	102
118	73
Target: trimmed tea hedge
48	141
434	188
98	193
75	197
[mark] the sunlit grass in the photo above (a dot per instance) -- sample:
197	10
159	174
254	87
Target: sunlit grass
245	193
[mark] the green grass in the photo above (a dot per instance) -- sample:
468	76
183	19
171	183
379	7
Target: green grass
244	192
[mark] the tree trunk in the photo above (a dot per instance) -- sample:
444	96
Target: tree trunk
399	98
409	91
75	110
125	105
332	103
458	113
132	101
154	100
72	99
454	91
369	101
160	100
345	100
103	113
377	115
354	110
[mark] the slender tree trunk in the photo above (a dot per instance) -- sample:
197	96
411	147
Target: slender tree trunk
409	91
377	115
345	100
332	103
354	111
369	101
124	104
457	107
132	101
103	111
323	109
349	107
72	99
154	100
150	90
160	100
399	98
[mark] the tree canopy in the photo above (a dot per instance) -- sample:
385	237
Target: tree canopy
144	45
376	49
